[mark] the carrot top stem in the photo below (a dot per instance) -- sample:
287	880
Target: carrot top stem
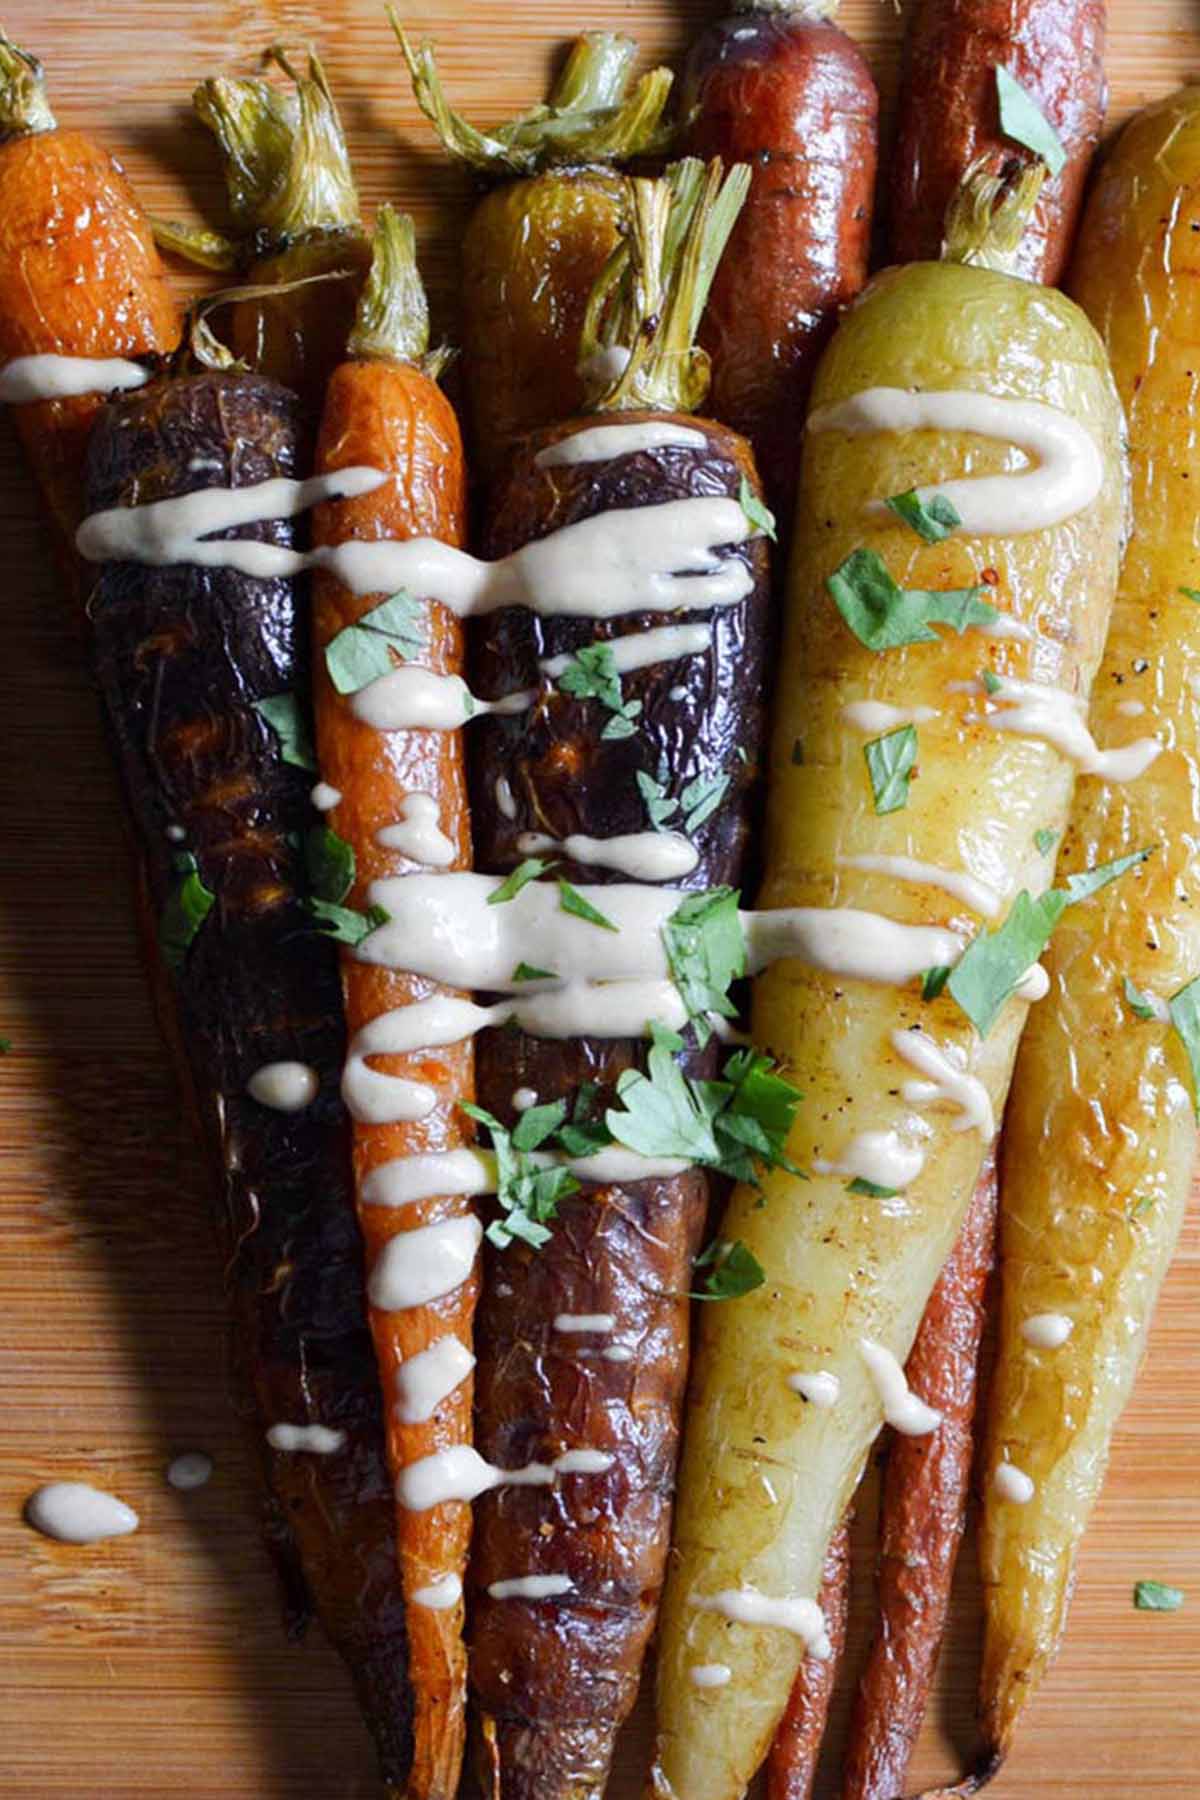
988	214
392	320
24	108
649	296
590	117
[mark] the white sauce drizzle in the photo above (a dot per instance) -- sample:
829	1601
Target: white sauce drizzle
877	715
176	834
643	855
618	1353
53	377
947	1083
324	797
418	835
531	1587
442	1593
284	1086
603	443
411	698
318	1440
1131	709
1047	1331
460	1473
1034	984
191	1470
378	1099
973	893
469	1173
642	649
523	1098
879	1157
425	1264
1034	709
423	1381
902	1409
746	1606
1013	1484
74	1512
1068	469
599	1322
506	806
819	1386
710	1675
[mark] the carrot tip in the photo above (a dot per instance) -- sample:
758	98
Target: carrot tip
987	1765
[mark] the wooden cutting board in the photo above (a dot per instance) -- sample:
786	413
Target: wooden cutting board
156	1665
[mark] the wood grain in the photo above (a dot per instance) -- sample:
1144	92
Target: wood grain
156	1665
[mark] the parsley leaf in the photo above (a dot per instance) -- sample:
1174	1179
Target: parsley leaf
890	761
572	901
592	674
701	798
860	1185
538	1123
759	515
1190	593
1138	1002
584	1135
932	519
1044	840
1184	1008
991	681
732	1271
331	863
994	962
884	616
706	952
184	911
285	715
528	1192
365	650
521	876
526	972
343	923
1156	1596
659	804
934	980
1022	120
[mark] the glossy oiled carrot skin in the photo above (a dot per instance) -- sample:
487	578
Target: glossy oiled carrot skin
299	336
79	276
792	96
391	416
792	1766
949	115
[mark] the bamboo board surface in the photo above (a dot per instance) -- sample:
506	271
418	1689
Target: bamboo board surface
156	1665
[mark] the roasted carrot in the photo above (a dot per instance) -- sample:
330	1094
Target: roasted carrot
79	277
295	217
780	87
957	104
792	1765
535	244
399	803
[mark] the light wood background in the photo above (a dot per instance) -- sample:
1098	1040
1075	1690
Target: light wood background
155	1665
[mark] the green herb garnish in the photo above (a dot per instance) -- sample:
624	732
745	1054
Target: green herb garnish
521	876
732	1271
701	798
706	953
528	1192
890	761
184	911
991	681
932	519
860	1185
1022	120
285	715
759	515
592	674
360	653
343	923
884	616
1156	1596
1184	1008
1190	593
934	980
526	972
1044	840
994	962
659	804
537	1124
1138	1003
330	862
572	901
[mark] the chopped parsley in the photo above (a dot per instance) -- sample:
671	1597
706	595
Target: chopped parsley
1044	840
1022	120
890	761
360	653
1156	1596
521	876
584	1134
884	616
572	901
537	1124
592	674
330	862
285	715
932	519
934	980
759	515
860	1185
344	924
994	962
526	972
184	911
732	1271
658	803
1190	593
706	953
1184	1008
1138	1003
990	681
527	1191
701	798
